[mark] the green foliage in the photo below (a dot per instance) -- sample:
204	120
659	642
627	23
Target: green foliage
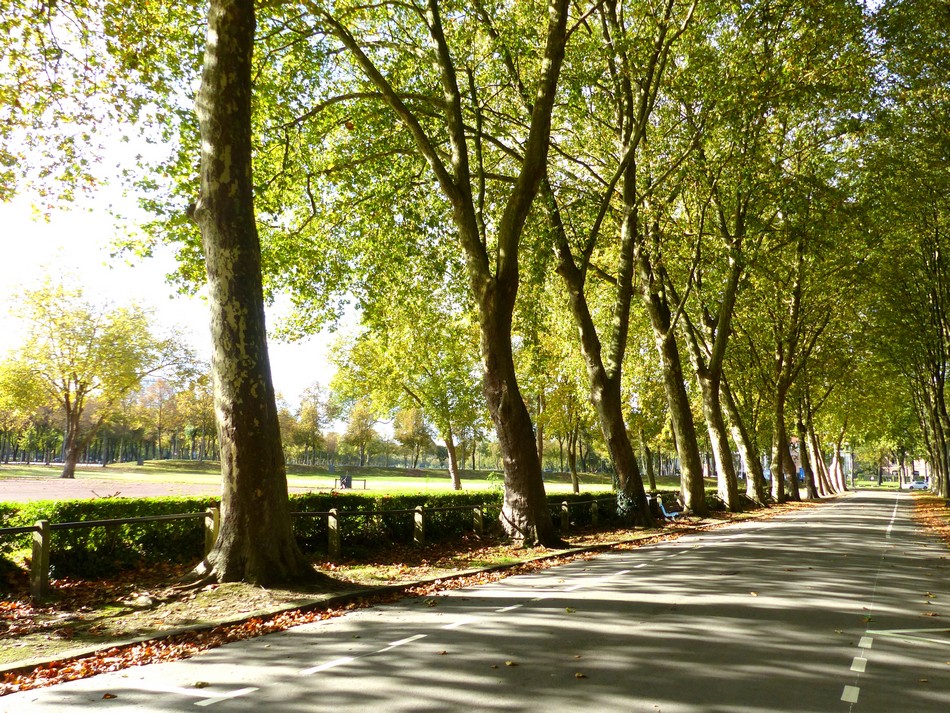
366	532
97	551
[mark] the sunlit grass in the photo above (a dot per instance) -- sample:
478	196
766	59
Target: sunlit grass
396	480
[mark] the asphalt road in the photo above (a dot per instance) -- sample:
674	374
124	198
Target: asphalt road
844	607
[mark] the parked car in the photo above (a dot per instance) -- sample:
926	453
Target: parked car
917	484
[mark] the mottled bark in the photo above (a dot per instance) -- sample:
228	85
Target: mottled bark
648	461
454	474
681	415
709	382
804	455
572	439
604	369
779	444
756	487
256	541
525	515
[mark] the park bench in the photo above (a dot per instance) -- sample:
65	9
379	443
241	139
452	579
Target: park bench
670	514
346	482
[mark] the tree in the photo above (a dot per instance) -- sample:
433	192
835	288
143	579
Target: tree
314	416
411	431
488	224
360	431
256	541
613	199
86	358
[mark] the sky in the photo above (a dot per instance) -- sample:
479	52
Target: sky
76	242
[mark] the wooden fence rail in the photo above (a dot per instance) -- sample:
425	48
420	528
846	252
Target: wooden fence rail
43	529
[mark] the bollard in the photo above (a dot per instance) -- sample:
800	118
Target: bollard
212	526
419	530
565	517
333	534
478	520
39	567
594	513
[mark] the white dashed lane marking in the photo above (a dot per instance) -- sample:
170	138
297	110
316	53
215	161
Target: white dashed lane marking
511	608
866	642
850	694
225	697
461	622
329	664
208	696
598	580
859	664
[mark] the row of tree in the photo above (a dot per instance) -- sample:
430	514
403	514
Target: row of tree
73	392
677	207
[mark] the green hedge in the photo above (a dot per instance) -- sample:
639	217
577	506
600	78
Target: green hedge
371	531
96	551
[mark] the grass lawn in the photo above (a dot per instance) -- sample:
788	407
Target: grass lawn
377	478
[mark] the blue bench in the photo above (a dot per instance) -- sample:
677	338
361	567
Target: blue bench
668	514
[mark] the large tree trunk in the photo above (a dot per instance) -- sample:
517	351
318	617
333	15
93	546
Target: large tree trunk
781	487
709	384
572	439
71	446
647	460
604	381
726	479
804	455
681	415
454	474
756	488
256	541
525	514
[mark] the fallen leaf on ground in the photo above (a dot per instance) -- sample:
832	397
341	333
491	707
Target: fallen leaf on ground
510	663
580	675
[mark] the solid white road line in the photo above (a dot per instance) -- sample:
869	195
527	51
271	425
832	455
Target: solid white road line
407	640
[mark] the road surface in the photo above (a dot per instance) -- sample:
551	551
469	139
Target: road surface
842	607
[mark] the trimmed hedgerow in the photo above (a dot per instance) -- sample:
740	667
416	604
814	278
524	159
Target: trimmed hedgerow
94	551
369	521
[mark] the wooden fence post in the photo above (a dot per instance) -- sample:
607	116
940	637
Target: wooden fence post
212	525
39	567
333	534
594	513
565	517
478	520
419	529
